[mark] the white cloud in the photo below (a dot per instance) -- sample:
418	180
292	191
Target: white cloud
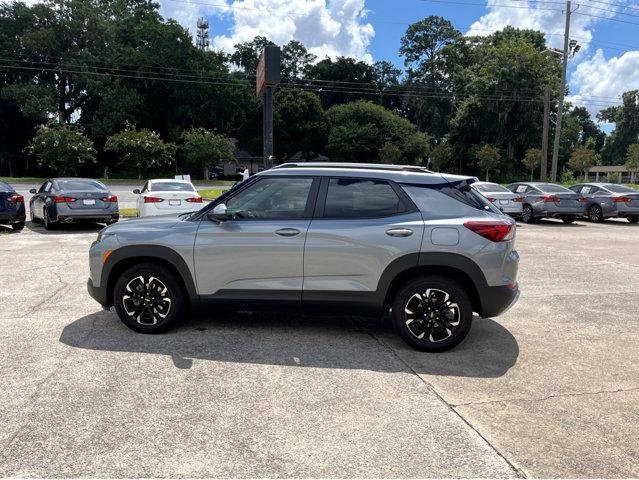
335	28
600	82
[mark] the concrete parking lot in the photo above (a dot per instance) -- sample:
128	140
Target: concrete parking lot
550	389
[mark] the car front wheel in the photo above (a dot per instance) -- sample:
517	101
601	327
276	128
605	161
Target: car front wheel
432	313
48	224
148	298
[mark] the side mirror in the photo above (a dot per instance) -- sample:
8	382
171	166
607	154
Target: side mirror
33	191
219	213
136	191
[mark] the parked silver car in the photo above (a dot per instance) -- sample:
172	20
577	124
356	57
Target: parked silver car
548	200
607	200
508	202
349	238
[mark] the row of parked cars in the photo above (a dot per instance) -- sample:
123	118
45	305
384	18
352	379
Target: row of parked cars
71	200
531	201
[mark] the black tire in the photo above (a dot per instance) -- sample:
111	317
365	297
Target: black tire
18	227
48	224
568	219
527	214
595	214
633	219
435	327
148	293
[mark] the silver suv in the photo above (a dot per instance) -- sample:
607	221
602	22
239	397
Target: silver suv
348	238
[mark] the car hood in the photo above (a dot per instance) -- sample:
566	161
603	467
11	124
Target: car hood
159	222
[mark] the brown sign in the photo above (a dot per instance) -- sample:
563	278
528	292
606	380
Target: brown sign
268	69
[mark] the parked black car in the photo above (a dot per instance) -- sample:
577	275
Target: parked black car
67	200
11	207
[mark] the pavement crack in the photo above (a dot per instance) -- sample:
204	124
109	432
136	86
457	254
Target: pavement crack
517	471
542	399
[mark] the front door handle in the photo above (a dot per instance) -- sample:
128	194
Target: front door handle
399	232
287	232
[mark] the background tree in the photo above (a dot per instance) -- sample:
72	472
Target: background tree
332	76
488	158
389	153
441	156
247	55
142	150
626	132
582	159
358	130
296	60
532	160
62	148
204	148
632	160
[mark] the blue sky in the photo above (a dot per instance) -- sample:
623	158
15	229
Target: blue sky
370	30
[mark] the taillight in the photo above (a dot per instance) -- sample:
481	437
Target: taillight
551	199
620	199
63	199
194	200
153	200
16	199
495	231
491	199
582	200
110	199
518	199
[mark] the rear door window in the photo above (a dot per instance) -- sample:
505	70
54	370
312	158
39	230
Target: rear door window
361	198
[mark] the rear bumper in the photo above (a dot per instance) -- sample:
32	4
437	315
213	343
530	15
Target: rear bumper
13	217
93	217
497	300
97	293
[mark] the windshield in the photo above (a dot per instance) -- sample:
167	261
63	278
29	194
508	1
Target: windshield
491	187
552	188
4	187
171	187
81	185
621	189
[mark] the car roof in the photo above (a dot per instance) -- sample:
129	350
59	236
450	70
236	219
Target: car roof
73	179
397	173
170	180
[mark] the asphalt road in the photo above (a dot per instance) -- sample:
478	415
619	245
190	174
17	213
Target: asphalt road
550	389
126	197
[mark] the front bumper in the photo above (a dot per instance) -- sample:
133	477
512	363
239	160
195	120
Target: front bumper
497	300
97	293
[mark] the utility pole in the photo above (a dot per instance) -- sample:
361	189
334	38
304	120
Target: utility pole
544	136
555	148
266	78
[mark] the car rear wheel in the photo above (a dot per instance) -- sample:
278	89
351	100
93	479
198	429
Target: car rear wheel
633	219
595	214
18	226
148	298
527	215
48	224
432	313
568	219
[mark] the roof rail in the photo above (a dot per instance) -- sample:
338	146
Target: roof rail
362	166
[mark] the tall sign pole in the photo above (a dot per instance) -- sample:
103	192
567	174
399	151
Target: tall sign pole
267	78
560	110
544	136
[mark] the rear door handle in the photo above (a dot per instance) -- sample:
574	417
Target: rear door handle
287	232
399	232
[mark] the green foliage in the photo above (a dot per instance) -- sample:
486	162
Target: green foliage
626	132
359	129
632	157
441	156
142	149
567	177
62	148
296	60
389	153
532	160
488	158
204	148
357	75
582	159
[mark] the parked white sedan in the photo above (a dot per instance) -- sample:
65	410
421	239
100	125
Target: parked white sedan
167	196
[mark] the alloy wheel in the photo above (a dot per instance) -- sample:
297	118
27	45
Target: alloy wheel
527	214
146	300
432	315
595	214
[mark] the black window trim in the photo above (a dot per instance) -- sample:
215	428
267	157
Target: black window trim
407	205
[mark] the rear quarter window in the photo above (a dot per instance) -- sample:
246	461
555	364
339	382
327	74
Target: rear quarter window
447	202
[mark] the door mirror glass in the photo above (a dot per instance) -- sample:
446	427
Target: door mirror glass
219	213
33	191
136	191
